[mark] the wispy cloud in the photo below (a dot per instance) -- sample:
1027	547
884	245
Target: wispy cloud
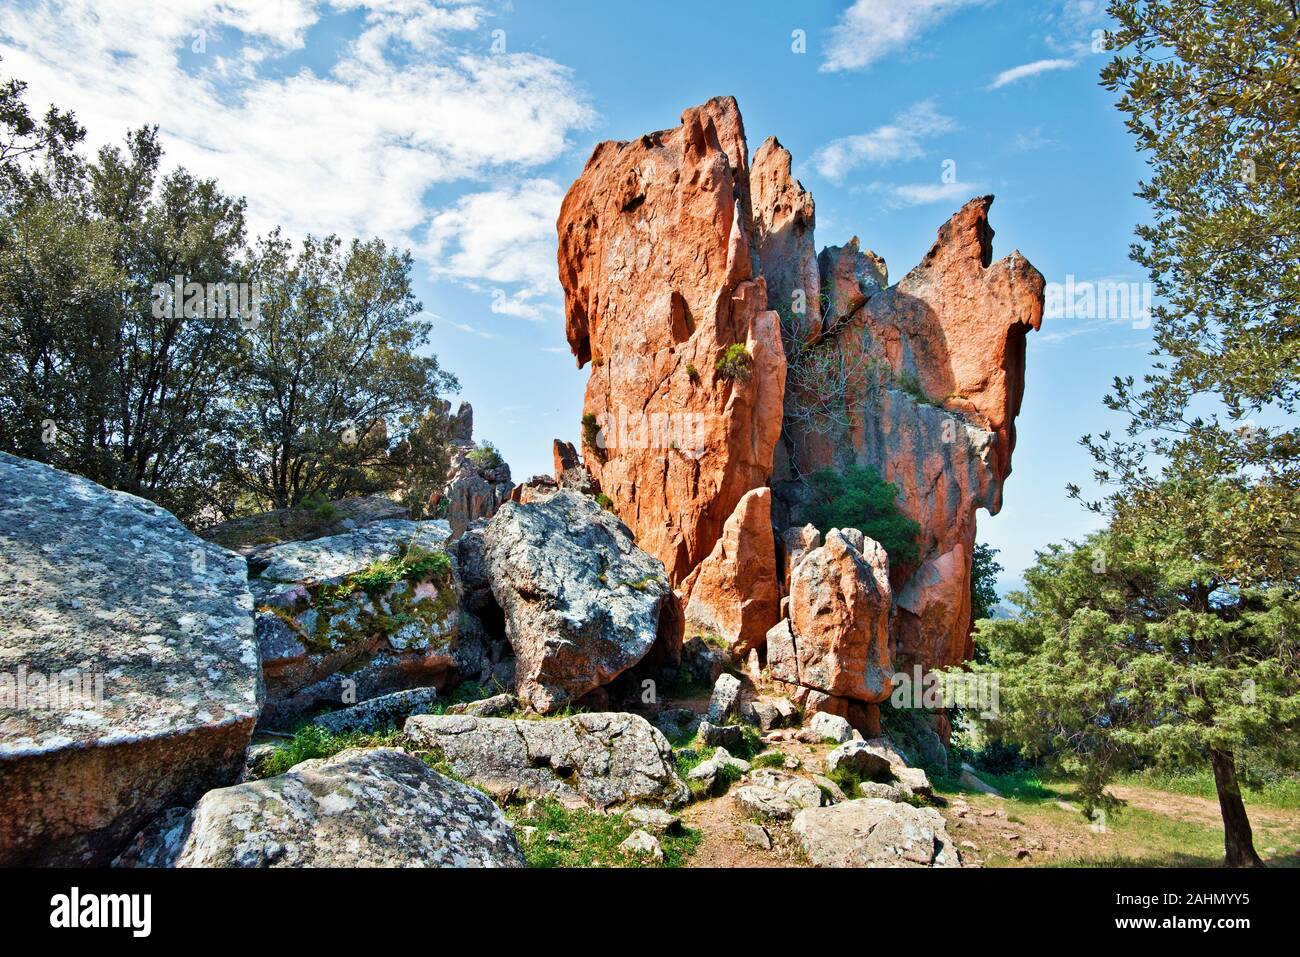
898	140
919	194
413	99
500	236
871	29
1026	70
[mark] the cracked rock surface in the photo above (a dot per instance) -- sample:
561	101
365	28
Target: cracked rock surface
156	627
361	808
598	760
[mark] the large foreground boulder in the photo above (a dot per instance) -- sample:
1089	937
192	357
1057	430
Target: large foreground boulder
582	603
361	808
129	677
597	760
875	832
351	617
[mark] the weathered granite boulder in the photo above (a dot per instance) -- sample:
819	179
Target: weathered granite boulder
861	758
376	714
831	726
129	677
379	807
254	535
344	619
874	832
582	603
836	639
733	593
724	703
597	760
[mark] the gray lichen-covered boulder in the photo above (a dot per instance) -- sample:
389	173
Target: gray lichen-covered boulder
350	617
147	634
582	603
376	714
872	832
598	760
379	807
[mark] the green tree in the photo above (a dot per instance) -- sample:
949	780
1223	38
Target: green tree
332	396
1211	92
1132	649
983	581
94	378
859	498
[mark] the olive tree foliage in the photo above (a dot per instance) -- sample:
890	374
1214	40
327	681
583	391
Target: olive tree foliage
1211	93
92	378
333	397
145	345
1130	650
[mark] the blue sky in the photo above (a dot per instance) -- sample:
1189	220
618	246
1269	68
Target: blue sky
454	128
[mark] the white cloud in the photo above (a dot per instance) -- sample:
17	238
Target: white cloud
501	236
1075	25
1028	70
472	330
919	194
871	29
898	140
349	146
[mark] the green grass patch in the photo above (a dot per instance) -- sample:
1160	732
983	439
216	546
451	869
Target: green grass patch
1274	790
581	838
310	742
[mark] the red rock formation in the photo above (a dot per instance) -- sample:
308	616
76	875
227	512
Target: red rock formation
784	218
733	593
671	249
933	377
656	259
836	639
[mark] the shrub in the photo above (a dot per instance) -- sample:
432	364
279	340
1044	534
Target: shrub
591	436
486	456
692	373
412	562
859	498
319	506
735	363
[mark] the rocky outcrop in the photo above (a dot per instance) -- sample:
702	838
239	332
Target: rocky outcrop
129	674
784	218
478	479
569	470
582	604
360	808
351	617
932	373
672	248
657	252
254	535
733	592
836	640
875	832
595	760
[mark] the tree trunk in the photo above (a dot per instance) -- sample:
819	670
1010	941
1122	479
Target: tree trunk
1238	844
